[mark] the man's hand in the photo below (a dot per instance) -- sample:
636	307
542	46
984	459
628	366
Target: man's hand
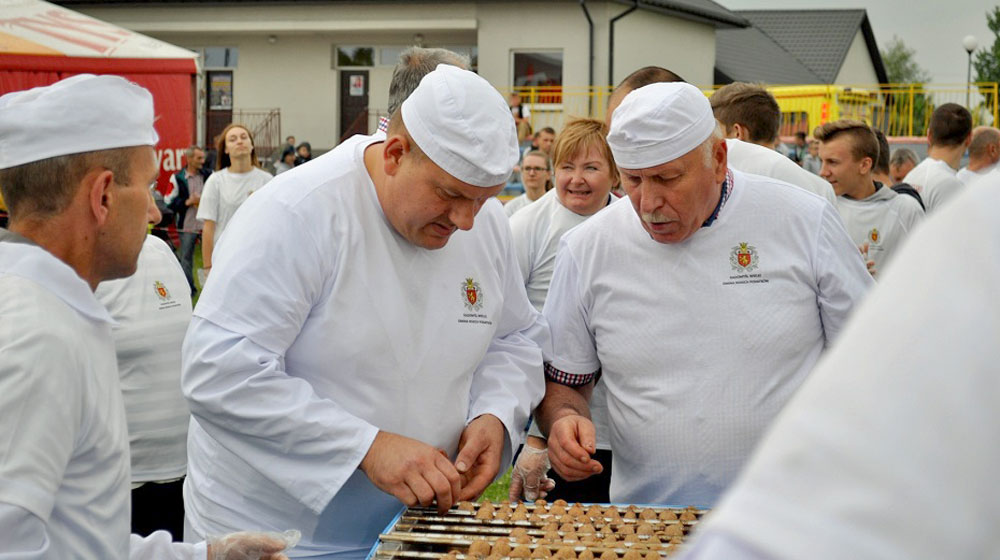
868	263
572	441
479	451
528	475
193	200
252	546
412	471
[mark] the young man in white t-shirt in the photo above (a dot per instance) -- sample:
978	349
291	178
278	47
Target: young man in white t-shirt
704	299
876	218
948	136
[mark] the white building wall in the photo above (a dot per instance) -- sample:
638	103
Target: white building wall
295	73
645	38
857	68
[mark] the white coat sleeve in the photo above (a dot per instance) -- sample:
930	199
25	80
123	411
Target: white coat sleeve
233	367
25	537
240	394
509	382
208	208
574	349
842	279
160	546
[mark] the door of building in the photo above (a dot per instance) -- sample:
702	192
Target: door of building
219	112
353	103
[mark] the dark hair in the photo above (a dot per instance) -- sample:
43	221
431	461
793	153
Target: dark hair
648	75
46	187
950	125
547	129
864	144
749	105
882	163
222	161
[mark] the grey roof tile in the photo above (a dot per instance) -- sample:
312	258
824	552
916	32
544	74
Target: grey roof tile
748	55
706	11
819	39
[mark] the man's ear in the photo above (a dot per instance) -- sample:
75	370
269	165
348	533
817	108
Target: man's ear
99	185
865	166
740	132
720	160
396	146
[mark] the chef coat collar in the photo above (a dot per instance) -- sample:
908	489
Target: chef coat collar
20	256
727	189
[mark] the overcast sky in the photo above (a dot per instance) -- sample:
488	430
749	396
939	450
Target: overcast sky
933	28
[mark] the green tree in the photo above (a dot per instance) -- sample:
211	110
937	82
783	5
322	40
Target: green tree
987	59
901	68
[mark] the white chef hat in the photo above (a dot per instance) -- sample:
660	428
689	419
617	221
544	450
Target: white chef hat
84	113
463	125
659	123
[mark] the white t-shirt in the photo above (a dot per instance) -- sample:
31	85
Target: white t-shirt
225	191
701	342
310	339
966	176
883	221
899	421
536	232
516	203
935	181
64	469
758	160
152	309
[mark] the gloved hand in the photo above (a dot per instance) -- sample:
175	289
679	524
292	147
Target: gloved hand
528	475
249	545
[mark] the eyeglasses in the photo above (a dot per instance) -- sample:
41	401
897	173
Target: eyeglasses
534	169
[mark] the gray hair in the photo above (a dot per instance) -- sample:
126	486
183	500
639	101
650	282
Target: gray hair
189	152
903	155
414	64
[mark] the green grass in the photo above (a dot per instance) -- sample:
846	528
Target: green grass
497	492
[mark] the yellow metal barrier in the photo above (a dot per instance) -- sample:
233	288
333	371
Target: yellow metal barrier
896	109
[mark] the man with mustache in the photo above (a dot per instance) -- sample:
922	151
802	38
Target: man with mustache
703	299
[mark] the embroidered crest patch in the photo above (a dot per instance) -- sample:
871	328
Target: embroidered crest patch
472	292
161	290
743	258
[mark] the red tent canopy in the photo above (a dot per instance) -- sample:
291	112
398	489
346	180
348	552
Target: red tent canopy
41	43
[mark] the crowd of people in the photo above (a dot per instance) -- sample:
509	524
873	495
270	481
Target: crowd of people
673	312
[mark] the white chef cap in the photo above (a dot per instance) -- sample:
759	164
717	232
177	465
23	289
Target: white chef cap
463	125
659	123
84	113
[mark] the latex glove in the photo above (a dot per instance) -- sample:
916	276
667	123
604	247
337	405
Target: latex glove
252	545
529	473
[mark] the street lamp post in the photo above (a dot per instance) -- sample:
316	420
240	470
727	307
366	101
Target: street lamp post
970	45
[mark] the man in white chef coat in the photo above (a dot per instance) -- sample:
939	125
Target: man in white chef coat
703	299
888	449
365	341
76	162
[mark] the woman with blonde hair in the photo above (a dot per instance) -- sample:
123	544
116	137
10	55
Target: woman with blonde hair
585	174
237	176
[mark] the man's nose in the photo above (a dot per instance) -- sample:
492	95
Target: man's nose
463	214
153	215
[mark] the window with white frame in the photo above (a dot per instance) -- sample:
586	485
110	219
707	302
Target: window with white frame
538	75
